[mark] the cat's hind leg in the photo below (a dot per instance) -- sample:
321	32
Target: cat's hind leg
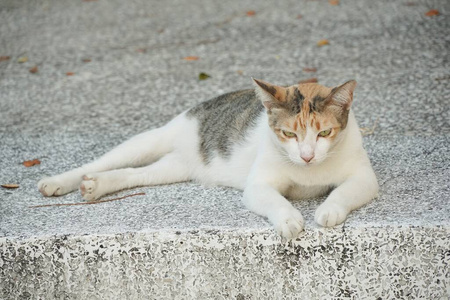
169	169
140	150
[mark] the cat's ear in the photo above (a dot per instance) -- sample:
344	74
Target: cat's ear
269	94
342	95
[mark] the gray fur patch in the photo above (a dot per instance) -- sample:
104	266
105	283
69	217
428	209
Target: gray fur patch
317	104
224	121
294	102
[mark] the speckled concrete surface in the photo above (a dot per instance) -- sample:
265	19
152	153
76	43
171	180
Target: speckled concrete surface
363	263
136	79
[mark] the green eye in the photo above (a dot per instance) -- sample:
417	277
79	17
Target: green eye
325	133
289	134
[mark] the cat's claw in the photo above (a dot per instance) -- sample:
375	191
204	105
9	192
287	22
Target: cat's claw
330	214
89	188
289	223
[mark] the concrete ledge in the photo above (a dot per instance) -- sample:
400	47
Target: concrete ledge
350	263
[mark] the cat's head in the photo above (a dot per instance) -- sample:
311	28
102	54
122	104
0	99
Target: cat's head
308	119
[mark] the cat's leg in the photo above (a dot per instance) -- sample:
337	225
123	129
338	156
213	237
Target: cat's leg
357	190
263	195
266	201
169	169
140	150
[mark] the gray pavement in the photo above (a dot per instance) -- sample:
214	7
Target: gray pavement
137	80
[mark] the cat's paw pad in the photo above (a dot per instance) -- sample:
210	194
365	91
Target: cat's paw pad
330	214
289	223
53	186
89	187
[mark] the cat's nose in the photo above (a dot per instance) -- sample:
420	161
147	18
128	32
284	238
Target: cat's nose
307	158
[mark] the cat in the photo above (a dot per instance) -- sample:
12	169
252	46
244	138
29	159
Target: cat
273	142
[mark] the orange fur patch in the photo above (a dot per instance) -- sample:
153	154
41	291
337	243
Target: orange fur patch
318	125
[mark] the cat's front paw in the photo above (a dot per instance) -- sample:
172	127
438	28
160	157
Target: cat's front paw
56	186
330	214
288	222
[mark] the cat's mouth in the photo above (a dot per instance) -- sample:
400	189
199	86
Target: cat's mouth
300	162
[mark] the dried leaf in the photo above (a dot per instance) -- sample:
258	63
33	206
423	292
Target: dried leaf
70	73
203	76
299	16
251	13
432	12
240	72
322	43
141	50
410	3
86	60
30	163
309	80
4	58
365	131
191	58
22	59
10	186
333	2
34	70
310	70
442	78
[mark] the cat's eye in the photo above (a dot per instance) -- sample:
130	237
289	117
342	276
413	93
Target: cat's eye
325	133
289	134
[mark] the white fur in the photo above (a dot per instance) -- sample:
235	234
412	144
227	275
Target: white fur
257	165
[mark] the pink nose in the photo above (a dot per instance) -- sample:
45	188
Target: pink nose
307	158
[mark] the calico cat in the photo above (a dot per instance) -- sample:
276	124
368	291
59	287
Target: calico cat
273	142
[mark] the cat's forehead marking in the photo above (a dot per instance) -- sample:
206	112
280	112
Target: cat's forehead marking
294	98
312	100
315	95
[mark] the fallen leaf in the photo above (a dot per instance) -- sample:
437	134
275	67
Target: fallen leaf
86	60
70	73
191	58
322	43
299	16
22	59
333	2
240	72
410	3
251	13
432	12
3	58
365	131
203	76
34	69
30	163
311	70
141	50
10	186
309	80
442	78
